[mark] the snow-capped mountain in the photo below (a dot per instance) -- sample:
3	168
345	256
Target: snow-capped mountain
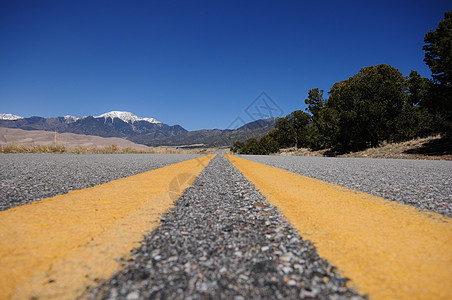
72	119
146	131
9	117
112	124
127	117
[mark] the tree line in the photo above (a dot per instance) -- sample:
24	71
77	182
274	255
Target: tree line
375	105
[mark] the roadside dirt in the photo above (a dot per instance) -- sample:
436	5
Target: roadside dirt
430	148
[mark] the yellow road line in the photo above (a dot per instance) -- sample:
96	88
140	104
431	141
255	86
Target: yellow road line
388	250
57	247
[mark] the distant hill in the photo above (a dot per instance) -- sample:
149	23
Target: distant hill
146	131
216	137
14	136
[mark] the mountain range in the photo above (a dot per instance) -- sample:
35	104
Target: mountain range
147	131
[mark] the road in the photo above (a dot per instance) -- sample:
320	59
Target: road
374	242
223	238
25	178
424	184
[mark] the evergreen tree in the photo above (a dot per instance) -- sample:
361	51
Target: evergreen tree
298	122
367	106
438	51
324	121
414	120
438	56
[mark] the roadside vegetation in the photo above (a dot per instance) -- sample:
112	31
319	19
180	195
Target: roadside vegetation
113	149
376	106
431	148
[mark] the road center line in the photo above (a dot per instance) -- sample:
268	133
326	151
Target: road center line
388	250
56	247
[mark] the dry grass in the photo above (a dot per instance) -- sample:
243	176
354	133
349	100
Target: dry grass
432	148
113	149
300	152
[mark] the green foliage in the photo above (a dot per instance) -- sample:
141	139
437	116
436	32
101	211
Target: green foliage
237	147
251	146
324	121
438	56
315	102
282	132
414	120
438	53
292	129
366	106
377	104
298	122
266	145
417	88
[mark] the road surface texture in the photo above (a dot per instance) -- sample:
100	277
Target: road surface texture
424	184
25	178
375	242
223	241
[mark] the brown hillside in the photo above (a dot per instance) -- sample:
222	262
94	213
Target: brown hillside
10	136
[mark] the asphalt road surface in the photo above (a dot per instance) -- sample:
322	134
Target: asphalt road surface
424	184
25	178
222	239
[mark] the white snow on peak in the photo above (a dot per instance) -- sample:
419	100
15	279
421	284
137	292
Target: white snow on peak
72	118
126	117
68	117
9	117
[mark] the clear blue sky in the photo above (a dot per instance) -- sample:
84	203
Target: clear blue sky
197	63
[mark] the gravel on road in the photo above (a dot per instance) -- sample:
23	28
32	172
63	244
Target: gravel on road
25	178
424	184
223	240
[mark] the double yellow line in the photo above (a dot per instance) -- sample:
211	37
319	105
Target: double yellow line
57	247
388	250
